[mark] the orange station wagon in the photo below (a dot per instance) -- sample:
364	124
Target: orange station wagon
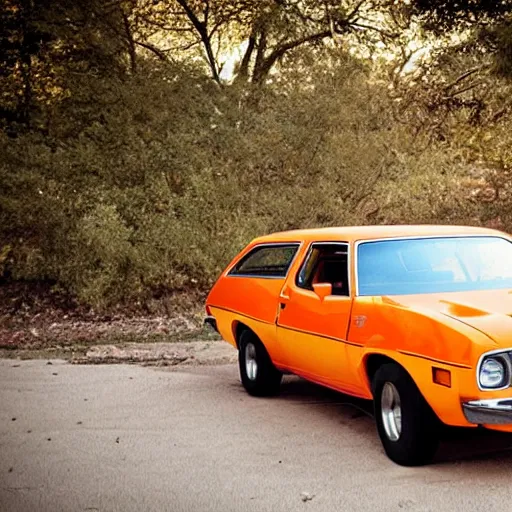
416	318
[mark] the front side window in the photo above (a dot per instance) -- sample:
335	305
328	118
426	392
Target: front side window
266	261
325	263
434	265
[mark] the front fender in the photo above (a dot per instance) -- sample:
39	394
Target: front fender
444	401
420	340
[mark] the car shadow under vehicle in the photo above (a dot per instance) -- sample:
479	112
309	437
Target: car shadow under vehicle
458	444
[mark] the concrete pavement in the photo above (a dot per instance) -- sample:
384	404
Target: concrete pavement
129	438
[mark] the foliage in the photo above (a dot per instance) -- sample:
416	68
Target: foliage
46	46
447	15
130	171
261	33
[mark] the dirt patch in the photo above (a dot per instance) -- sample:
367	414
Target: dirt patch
35	318
161	354
35	324
70	338
191	353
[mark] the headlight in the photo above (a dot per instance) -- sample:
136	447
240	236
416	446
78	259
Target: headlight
494	373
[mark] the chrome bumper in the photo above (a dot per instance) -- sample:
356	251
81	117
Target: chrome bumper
211	322
489	412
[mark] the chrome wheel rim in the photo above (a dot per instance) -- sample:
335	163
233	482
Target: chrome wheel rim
251	365
391	411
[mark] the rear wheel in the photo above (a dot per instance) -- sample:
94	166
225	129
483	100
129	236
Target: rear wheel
258	374
407	426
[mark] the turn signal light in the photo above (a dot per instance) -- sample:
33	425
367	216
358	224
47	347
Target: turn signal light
442	377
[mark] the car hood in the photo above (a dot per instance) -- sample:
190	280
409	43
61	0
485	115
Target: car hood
489	311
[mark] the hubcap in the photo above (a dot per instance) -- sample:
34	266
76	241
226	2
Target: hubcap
391	411
251	365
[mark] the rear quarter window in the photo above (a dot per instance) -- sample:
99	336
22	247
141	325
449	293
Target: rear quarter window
266	261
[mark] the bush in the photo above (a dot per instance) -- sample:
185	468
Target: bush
157	186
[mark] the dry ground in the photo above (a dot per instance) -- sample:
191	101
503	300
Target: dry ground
188	438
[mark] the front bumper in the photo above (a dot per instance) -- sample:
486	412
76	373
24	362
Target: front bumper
211	322
496	411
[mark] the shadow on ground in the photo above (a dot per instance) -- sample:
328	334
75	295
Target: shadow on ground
457	444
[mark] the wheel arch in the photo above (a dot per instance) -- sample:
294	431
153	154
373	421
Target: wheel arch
373	361
238	328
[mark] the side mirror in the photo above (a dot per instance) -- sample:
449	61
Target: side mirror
323	290
286	293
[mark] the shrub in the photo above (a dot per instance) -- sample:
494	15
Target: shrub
172	175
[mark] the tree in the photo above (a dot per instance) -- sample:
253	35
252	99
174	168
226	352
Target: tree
443	16
20	41
46	45
266	30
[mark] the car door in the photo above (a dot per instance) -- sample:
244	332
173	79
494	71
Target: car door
312	330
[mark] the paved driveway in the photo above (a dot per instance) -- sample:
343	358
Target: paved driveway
130	438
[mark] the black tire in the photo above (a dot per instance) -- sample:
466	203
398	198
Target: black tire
266	380
418	438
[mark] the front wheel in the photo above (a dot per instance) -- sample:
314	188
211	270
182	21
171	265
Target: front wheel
258	374
407	426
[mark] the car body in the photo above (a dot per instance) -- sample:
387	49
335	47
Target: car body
416	318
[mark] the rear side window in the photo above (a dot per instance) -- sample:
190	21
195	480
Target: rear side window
266	261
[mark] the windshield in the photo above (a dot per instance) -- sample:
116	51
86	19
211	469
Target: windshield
433	265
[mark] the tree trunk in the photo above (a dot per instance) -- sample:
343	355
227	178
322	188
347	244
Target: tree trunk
131	44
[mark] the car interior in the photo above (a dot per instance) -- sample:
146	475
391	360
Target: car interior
331	266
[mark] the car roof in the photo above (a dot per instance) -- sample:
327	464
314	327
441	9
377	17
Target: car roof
356	233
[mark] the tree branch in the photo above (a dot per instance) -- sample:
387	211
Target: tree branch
159	53
499	114
384	33
200	27
355	10
268	62
206	12
369	187
167	28
464	89
202	30
464	75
